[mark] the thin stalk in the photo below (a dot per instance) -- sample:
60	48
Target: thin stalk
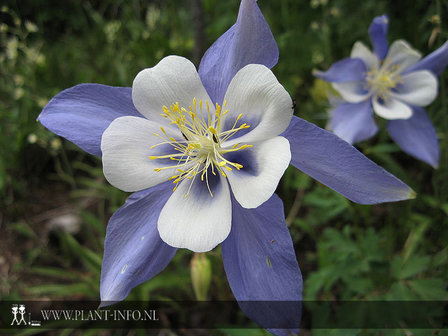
295	207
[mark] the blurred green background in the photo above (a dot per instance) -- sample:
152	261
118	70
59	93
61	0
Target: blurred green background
55	202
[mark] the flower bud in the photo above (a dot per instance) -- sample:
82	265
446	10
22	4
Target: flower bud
201	274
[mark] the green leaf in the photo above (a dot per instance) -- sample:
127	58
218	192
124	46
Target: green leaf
370	244
382	148
441	258
89	258
63	290
400	292
430	289
92	220
395	267
361	285
313	284
444	207
57	273
416	236
23	229
431	201
414	265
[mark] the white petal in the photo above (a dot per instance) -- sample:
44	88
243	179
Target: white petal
126	147
173	79
418	88
197	222
369	58
391	109
263	102
352	92
402	54
255	183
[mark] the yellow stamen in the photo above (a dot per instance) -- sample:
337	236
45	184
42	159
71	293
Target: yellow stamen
383	80
201	149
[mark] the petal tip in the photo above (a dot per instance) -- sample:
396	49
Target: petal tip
407	194
412	194
384	18
106	303
102	304
316	73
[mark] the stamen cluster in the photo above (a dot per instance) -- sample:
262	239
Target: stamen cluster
383	80
201	152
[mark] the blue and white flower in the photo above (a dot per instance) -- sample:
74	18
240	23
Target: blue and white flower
209	152
221	138
392	82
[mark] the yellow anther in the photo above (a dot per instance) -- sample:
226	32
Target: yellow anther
222	163
212	130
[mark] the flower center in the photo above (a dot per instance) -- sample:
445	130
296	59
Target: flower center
382	81
200	152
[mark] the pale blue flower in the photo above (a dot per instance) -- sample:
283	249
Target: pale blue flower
392	82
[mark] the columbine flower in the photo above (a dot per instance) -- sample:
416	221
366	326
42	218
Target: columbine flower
210	152
216	138
395	83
